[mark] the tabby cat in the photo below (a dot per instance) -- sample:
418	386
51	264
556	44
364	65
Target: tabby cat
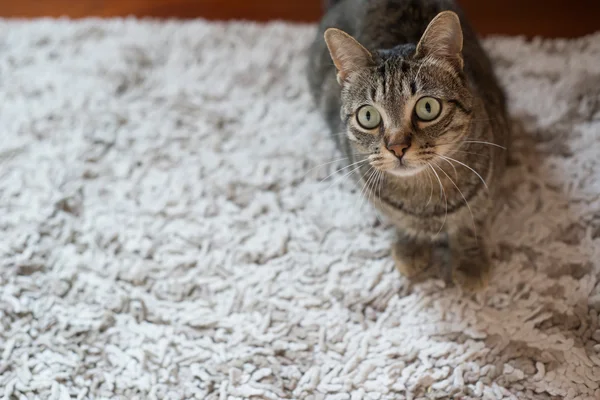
413	102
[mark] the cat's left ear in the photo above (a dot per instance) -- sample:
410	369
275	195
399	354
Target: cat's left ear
443	39
347	54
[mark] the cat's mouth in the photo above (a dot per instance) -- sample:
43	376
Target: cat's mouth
387	161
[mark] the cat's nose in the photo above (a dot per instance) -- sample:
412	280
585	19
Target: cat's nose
399	147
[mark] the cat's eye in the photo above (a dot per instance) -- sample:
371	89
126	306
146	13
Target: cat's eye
428	108
368	117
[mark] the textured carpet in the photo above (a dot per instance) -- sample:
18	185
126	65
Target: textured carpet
166	233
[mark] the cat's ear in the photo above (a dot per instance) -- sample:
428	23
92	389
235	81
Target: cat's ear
347	54
443	38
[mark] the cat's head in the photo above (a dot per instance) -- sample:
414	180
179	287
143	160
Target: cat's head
404	108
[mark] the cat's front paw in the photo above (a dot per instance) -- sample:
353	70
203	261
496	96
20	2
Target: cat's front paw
410	259
472	275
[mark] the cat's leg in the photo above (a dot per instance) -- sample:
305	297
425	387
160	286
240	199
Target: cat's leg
470	257
411	256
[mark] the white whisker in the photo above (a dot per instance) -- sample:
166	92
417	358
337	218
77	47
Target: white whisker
431	185
381	184
357	165
372	192
470	152
464	198
343	177
466	166
453	167
445	197
322	165
482	142
365	189
341	169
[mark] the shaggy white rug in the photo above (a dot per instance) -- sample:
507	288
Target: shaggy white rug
166	233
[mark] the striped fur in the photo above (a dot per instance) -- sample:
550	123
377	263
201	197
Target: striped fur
442	192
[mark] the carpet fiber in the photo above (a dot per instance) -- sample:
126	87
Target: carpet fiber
169	230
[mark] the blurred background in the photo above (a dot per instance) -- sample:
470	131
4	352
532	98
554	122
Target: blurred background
548	18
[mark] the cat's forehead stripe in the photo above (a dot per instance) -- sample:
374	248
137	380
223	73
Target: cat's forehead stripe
383	75
373	92
413	87
404	67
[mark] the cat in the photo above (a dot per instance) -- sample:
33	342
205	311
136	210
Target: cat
412	100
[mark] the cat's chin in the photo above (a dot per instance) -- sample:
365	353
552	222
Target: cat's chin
403	171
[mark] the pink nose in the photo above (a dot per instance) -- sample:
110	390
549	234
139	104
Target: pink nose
399	148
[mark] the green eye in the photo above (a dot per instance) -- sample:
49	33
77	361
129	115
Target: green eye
368	117
428	108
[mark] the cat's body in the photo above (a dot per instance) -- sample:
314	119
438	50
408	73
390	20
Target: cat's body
434	179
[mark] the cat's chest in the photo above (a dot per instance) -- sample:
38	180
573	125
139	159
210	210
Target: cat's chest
422	196
407	195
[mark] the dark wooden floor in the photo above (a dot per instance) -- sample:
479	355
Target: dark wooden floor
550	18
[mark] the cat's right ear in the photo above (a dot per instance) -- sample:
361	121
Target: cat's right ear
443	39
347	54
